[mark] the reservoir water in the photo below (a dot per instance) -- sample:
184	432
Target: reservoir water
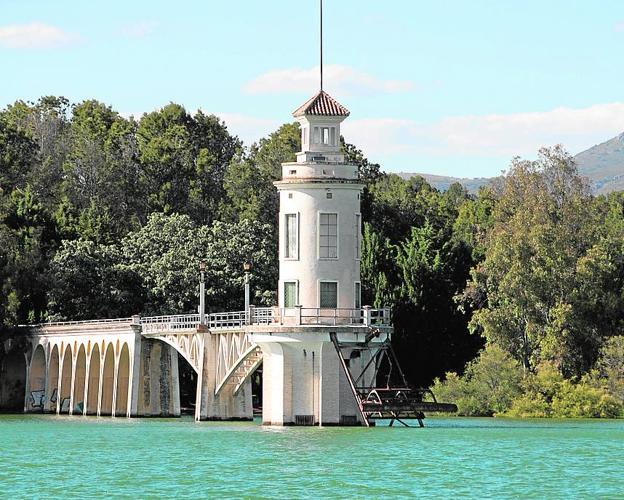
85	457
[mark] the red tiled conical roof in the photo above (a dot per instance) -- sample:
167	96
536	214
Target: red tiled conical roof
321	104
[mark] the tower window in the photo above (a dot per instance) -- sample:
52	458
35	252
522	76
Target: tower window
325	135
290	196
328	294
329	196
291	292
291	236
358	235
333	136
317	135
357	289
328	236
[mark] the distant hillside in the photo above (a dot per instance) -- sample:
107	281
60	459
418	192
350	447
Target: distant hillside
603	164
442	182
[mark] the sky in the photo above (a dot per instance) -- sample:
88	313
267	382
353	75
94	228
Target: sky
441	87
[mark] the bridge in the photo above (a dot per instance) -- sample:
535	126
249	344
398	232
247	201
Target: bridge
129	366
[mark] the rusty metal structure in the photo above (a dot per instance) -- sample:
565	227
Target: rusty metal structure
380	388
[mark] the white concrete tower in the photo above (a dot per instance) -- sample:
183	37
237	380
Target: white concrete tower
319	219
304	378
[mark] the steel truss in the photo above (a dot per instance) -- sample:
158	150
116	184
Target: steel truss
379	387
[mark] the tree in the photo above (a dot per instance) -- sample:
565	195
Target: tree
164	140
166	252
249	178
89	281
543	223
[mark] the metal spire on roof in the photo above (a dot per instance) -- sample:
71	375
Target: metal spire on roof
321	44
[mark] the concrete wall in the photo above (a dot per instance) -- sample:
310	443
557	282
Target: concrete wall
12	381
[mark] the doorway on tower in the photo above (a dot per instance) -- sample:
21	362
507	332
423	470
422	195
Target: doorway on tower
188	386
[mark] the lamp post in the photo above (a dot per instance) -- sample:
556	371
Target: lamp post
247	269
202	293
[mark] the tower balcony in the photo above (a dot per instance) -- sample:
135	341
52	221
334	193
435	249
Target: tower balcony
317	316
319	170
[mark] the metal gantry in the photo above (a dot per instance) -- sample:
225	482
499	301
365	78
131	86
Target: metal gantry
380	387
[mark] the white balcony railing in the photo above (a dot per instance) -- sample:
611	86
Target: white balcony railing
320	316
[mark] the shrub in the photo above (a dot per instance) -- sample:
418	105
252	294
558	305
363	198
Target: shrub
529	406
584	401
488	387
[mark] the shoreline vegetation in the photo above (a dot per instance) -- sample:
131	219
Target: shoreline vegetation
510	302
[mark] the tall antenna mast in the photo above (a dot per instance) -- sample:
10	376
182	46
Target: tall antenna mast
321	44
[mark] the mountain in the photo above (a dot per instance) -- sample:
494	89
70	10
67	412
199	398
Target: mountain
602	164
443	182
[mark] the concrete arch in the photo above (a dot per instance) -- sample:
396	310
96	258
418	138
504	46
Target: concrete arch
123	382
80	380
65	391
93	393
108	381
53	380
37	376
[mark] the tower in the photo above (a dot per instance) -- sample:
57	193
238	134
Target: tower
319	335
319	218
305	378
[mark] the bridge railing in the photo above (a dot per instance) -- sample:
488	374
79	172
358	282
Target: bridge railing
216	321
235	319
365	316
321	316
158	324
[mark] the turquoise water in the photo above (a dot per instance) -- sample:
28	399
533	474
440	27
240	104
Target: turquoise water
81	457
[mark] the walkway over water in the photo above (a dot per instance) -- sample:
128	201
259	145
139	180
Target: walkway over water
128	366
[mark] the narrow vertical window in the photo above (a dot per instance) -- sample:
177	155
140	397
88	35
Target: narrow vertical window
317	135
291	292
358	236
291	237
328	294
358	295
325	135
328	236
333	136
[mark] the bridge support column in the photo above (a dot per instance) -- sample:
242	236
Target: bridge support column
226	405
158	393
303	382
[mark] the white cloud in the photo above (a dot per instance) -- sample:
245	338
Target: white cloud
248	128
34	36
343	80
139	29
488	135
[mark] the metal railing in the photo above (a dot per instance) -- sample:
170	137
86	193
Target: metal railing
81	322
215	321
365	316
158	324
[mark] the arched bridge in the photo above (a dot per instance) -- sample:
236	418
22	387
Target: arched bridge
128	366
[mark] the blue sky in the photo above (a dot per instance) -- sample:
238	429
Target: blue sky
451	88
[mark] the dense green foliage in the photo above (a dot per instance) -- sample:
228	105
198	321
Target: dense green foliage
103	216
